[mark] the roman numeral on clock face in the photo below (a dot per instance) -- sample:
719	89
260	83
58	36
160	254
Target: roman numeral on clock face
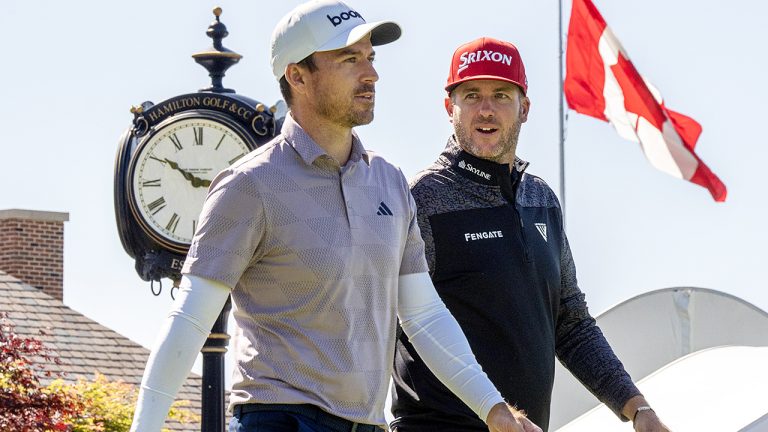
156	205
173	223
198	135
236	158
220	141
159	160
151	183
175	140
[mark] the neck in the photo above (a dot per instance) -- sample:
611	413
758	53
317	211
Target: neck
336	140
507	157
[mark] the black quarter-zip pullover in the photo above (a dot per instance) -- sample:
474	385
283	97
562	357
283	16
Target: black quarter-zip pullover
501	263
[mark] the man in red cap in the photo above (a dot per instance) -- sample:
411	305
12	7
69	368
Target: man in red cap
499	258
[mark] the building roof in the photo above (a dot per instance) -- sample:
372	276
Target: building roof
83	345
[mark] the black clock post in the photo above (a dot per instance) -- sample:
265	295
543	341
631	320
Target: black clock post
165	162
216	60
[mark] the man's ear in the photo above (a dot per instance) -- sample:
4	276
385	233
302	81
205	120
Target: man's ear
525	105
295	76
449	106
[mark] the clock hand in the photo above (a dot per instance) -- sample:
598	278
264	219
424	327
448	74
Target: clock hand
195	181
186	175
198	182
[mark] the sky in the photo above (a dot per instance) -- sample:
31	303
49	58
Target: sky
71	71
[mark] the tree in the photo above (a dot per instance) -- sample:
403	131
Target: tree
26	406
85	406
108	405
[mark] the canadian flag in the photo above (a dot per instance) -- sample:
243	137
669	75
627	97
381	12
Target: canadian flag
603	83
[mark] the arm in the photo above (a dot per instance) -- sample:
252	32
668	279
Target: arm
582	348
183	334
442	345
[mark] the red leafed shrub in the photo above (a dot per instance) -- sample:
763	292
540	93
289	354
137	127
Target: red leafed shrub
25	405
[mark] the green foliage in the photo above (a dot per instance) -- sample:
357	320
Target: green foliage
181	412
108	405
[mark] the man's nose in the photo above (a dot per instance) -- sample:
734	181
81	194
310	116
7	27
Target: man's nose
486	108
370	74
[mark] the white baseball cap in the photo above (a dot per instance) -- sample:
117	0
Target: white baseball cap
323	25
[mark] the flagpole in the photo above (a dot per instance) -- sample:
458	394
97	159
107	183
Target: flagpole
562	109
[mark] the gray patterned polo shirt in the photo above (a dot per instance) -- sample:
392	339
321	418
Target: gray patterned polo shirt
312	252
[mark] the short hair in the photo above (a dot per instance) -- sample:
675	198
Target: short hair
285	88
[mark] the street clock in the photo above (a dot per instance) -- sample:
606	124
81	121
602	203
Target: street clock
171	153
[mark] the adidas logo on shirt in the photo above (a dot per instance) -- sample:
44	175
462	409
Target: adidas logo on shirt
384	210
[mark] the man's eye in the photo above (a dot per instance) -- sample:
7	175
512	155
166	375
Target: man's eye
351	60
502	96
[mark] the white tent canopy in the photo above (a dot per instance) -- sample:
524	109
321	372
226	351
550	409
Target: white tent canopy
654	329
716	389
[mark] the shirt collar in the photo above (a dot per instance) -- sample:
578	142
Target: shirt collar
308	149
477	169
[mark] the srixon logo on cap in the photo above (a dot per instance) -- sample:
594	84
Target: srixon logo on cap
468	58
338	19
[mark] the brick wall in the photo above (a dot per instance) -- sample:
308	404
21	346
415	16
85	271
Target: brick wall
32	248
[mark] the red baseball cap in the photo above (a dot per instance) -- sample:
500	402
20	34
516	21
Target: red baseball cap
487	58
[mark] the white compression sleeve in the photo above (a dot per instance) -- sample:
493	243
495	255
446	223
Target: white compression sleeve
183	333
442	345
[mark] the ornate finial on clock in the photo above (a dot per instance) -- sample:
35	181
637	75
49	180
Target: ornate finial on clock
217	59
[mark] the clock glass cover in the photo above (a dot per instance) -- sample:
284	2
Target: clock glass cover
172	171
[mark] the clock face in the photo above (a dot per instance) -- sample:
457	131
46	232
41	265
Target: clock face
171	173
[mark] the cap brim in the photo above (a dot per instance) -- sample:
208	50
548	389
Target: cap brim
382	33
452	87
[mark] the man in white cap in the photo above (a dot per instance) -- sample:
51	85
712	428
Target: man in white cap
316	241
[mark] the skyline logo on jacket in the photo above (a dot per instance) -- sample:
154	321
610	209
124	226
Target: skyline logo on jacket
468	167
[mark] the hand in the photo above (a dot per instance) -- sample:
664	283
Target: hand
504	418
195	181
648	421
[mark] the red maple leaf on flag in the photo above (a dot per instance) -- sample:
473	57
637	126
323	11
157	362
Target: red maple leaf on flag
603	83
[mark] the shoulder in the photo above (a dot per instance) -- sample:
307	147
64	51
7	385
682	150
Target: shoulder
274	149
384	170
379	161
431	179
535	192
265	164
435	190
